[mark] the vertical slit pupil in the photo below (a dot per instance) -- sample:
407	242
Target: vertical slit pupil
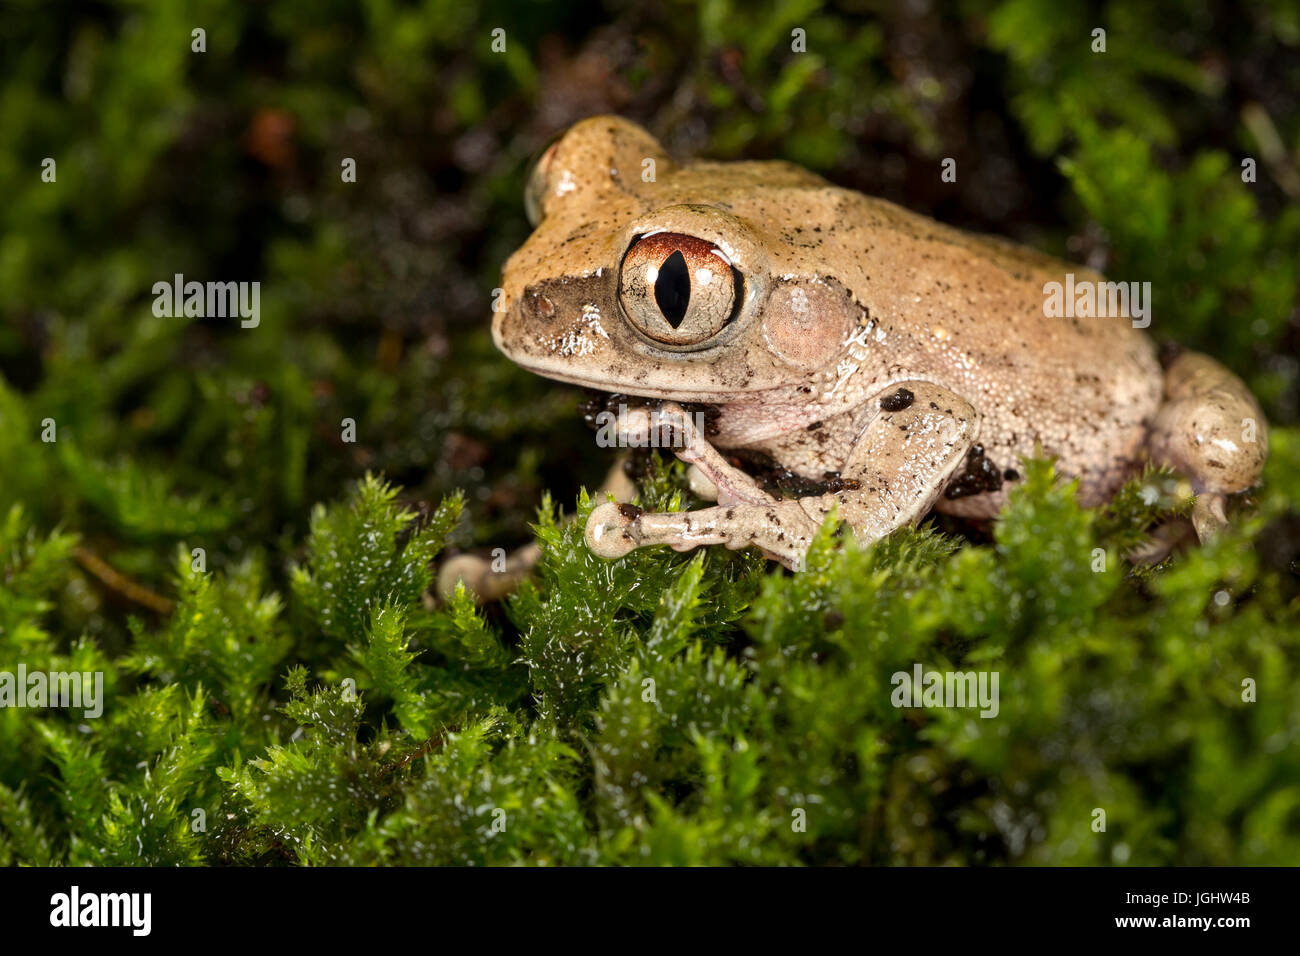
673	288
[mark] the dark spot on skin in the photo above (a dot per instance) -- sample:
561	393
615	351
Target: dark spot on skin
1214	464
630	512
814	426
978	477
731	513
900	400
934	406
1011	475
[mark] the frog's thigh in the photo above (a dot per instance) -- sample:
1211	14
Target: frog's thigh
902	459
1211	430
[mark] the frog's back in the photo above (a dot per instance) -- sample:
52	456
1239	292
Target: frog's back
971	312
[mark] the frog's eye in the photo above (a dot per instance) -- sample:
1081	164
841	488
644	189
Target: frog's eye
677	289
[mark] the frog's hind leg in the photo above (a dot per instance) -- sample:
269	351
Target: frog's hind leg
1211	430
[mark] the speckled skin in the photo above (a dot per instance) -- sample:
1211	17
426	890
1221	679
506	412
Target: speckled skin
867	341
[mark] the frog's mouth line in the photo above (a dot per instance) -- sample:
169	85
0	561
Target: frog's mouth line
662	394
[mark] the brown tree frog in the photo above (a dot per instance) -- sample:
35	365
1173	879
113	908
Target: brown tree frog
895	364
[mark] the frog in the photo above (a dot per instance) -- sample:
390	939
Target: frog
894	364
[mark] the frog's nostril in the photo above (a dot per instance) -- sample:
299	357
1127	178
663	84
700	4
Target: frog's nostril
541	305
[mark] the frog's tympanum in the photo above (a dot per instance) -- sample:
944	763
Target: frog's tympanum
894	363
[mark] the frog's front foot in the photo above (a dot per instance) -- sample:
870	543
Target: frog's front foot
612	530
911	443
745	515
781	530
711	476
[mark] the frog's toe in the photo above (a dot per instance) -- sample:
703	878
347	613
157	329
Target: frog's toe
467	568
611	530
487	580
1208	516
